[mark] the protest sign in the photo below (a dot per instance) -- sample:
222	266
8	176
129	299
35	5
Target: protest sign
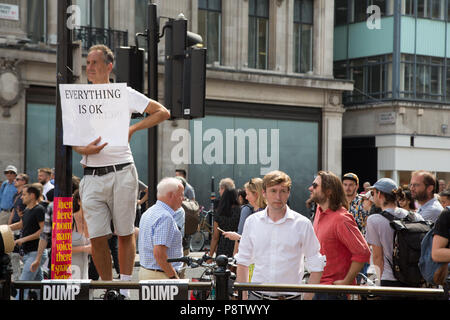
62	238
90	111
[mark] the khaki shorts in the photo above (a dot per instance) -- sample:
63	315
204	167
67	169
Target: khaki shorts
111	197
146	274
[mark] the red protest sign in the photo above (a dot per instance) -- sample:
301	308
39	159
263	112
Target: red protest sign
62	238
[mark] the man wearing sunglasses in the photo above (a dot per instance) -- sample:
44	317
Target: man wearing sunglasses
340	239
7	193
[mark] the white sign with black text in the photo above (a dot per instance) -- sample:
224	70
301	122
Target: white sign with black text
90	111
65	289
9	11
176	289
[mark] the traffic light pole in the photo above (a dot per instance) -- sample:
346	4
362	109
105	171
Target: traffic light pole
63	154
152	74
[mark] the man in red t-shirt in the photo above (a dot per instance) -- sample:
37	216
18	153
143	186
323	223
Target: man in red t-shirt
341	242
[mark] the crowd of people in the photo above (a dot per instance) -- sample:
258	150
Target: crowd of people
271	242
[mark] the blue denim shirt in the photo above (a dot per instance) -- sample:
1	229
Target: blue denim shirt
7	192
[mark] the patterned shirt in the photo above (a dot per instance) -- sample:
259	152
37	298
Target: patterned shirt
158	227
358	212
46	233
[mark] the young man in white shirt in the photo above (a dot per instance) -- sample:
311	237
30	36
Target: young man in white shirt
110	184
278	240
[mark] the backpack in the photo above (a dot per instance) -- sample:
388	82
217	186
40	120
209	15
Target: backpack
433	272
192	218
408	236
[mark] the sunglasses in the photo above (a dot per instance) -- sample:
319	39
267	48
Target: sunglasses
10	172
19	179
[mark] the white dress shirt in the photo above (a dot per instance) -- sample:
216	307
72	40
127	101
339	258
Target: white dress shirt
280	250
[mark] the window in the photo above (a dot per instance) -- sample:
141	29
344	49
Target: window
209	27
422	78
340	12
370	76
140	14
36	20
94	13
258	33
303	35
430	9
409	8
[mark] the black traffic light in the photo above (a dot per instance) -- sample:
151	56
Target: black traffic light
185	71
130	67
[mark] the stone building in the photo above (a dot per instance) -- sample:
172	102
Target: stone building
397	116
272	101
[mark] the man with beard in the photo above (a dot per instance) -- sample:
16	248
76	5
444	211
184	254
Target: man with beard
340	240
422	189
350	182
44	177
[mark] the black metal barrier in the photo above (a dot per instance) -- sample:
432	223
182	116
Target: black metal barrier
92	285
222	291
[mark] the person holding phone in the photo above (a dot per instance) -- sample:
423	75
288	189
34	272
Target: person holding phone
226	218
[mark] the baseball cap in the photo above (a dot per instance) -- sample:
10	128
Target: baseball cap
350	176
385	185
11	168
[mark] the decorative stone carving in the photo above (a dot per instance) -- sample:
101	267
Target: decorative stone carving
11	86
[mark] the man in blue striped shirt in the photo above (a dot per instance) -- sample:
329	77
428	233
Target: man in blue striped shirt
159	236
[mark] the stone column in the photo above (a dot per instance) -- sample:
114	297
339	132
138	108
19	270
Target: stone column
323	37
52	21
332	114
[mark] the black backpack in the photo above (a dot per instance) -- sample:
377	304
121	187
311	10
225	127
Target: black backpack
408	235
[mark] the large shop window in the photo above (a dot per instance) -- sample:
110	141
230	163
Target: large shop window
241	147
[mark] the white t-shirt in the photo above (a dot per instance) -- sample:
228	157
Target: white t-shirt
137	103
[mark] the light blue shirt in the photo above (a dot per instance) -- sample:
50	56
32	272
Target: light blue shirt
158	227
7	193
179	217
431	210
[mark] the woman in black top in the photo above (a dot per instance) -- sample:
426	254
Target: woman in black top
227	219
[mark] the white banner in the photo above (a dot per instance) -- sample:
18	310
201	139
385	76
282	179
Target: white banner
90	111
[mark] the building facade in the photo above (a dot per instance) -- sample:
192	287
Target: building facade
397	116
272	101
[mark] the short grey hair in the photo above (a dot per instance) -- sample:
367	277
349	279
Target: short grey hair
167	185
227	184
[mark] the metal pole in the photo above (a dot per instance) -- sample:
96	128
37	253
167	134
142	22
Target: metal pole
63	154
152	74
222	278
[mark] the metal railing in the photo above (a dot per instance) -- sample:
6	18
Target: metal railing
438	293
90	36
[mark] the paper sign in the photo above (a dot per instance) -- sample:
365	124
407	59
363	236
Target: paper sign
90	111
62	238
